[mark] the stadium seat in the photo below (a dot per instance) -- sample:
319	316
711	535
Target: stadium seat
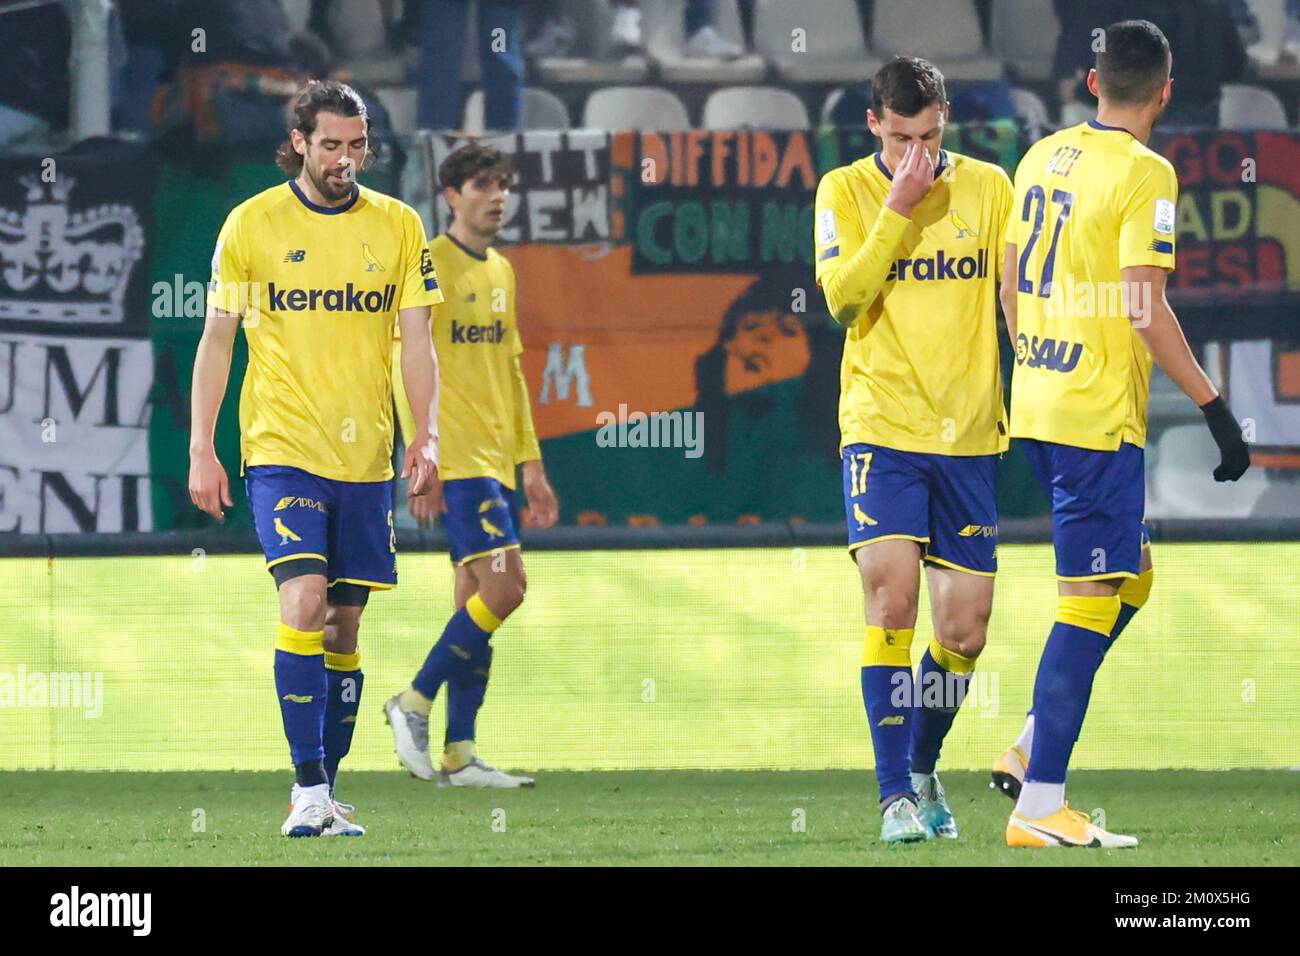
297	13
591	61
833	98
1072	114
834	49
757	107
542	110
1024	34
403	104
665	40
635	107
1250	107
1180	478
1271	17
1031	111
357	28
946	32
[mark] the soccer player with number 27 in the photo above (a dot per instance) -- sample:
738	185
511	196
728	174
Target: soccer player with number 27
1083	288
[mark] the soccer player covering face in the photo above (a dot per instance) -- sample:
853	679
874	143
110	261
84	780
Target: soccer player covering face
319	269
908	244
1083	288
487	432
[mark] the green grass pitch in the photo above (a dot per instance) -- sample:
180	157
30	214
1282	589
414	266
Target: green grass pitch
679	706
1184	818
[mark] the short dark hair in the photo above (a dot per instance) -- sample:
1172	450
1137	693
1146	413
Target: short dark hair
469	162
907	85
328	96
1134	63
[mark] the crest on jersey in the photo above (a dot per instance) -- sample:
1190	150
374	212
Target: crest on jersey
372	264
963	231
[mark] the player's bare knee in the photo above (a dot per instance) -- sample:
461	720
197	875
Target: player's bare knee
964	634
303	608
894	611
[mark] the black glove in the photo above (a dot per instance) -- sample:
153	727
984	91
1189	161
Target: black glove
1234	455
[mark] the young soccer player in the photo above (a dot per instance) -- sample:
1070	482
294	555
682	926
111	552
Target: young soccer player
1083	287
908	245
319	269
487	430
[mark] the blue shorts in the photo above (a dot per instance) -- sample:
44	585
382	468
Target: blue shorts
1098	502
345	525
482	517
947	503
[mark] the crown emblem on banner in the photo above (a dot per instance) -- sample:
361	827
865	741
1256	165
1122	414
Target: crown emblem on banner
63	266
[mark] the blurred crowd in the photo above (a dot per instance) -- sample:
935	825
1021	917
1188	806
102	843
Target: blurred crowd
221	69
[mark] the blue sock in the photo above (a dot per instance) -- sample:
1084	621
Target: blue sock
887	694
941	687
468	628
1063	685
302	688
344	699
1127	612
465	691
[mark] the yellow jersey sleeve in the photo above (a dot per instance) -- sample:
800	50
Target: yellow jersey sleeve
419	280
1149	215
1006	203
229	284
852	266
527	447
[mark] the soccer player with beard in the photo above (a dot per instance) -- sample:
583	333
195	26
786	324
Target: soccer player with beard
320	270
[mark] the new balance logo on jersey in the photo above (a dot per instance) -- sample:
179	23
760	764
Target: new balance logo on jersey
941	266
347	299
295	255
491	332
1047	353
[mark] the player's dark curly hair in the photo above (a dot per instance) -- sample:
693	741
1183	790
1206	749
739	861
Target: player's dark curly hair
329	96
470	161
1134	62
907	85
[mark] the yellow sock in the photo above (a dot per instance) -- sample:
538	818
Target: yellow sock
458	754
412	699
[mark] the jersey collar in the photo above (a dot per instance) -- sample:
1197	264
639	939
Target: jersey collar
1102	126
466	249
884	170
325	210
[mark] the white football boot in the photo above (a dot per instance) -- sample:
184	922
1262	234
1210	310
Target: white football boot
410	737
478	774
312	810
343	824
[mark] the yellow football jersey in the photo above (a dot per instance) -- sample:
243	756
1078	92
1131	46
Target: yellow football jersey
1090	201
485	418
319	289
920	369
